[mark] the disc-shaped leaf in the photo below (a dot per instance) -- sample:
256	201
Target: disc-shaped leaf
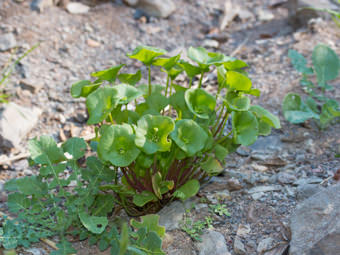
100	103
326	64
143	198
190	69
212	166
189	189
204	58
299	62
166	63
189	136
84	88
237	102
178	102
152	133
238	81
146	54
234	64
108	74
130	78
117	145
93	224
126	93
200	102
245	127
266	116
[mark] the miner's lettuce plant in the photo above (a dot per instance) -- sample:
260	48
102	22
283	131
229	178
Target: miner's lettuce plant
160	141
317	105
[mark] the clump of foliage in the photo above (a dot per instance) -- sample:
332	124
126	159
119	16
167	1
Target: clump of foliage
334	14
64	199
317	105
162	141
7	70
219	209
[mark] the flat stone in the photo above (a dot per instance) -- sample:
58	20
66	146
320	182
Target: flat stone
31	85
131	2
265	189
315	224
305	191
311	180
265	15
257	196
77	8
7	41
265	245
41	5
209	43
156	8
285	178
213	243
15	123
233	184
239	246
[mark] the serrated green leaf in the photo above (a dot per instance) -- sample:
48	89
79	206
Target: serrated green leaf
93	224
108	74
189	136
117	145
64	248
45	151
130	78
150	222
189	189
299	62
102	205
76	147
17	202
30	185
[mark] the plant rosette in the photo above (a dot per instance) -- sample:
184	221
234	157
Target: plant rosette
162	141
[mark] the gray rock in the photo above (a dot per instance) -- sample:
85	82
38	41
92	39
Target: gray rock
171	215
299	15
131	2
285	178
311	180
41	5
265	189
315	224
265	245
15	122
77	8
213	243
31	85
162	9
234	184
36	251
208	43
305	191
267	145
265	15
239	246
7	41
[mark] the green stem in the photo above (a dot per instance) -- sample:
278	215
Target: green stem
190	82
149	79
225	137
200	83
167	85
111	119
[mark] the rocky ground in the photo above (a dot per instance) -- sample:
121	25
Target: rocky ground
261	185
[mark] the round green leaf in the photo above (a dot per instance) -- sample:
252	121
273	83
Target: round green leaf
266	116
83	88
166	63
204	58
237	102
326	64
152	133
130	78
200	102
143	198
234	64
94	224
146	54
238	81
126	93
100	104
189	136
212	166
189	189
117	145
108	74
245	127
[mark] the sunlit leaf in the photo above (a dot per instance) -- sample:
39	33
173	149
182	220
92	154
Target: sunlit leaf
109	75
200	102
189	189
146	54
